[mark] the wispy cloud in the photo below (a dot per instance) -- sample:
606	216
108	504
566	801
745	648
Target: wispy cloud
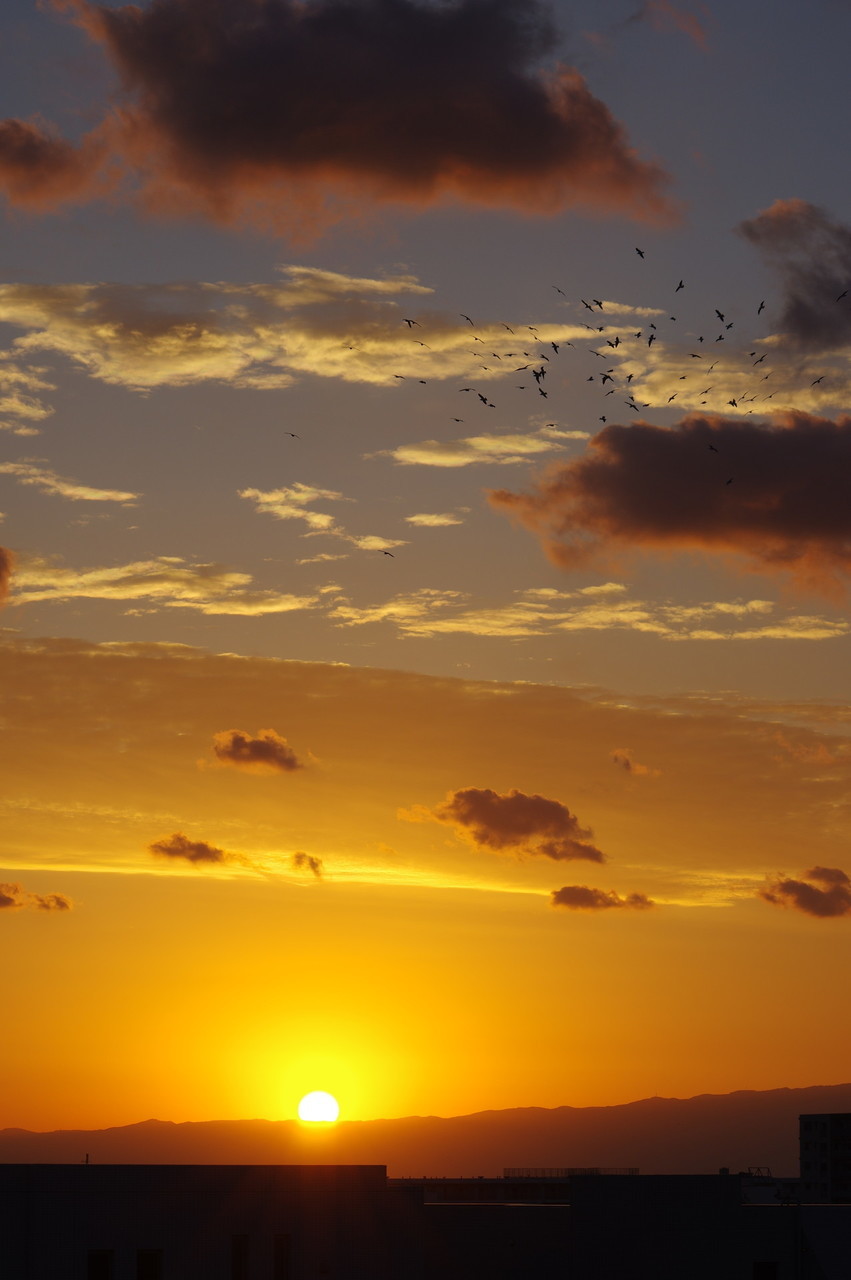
29	473
434	519
503	450
260	336
166	582
294	503
545	611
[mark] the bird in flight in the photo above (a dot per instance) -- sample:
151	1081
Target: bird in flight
842	295
816	381
712	447
409	323
640	252
388	553
293	434
681	285
761	307
463	317
720	315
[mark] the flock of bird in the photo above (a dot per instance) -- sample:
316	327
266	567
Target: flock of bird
618	345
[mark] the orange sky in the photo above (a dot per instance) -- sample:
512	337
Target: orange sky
419	973
424	554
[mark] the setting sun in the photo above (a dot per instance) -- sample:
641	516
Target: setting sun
319	1106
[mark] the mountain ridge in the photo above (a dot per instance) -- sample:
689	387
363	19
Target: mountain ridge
659	1135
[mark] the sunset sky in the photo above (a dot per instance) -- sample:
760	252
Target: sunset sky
425	483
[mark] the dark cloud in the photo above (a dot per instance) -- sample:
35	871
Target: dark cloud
194	851
282	110
267	751
15	896
665	16
307	862
578	897
5	572
823	891
525	824
622	757
40	171
643	487
812	255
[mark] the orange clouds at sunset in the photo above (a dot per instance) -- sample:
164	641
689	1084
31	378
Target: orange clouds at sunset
822	891
578	897
5	572
517	822
772	494
231	128
266	751
13	897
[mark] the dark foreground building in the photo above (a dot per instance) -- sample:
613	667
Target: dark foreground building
299	1222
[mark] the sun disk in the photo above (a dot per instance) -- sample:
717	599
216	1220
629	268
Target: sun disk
318	1106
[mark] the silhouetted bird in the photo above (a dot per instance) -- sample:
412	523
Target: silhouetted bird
640	253
761	307
388	553
679	286
843	294
463	317
712	447
720	315
409	323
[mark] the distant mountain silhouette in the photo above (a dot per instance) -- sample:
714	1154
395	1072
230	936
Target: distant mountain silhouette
659	1135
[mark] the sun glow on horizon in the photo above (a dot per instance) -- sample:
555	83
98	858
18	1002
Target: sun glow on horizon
319	1107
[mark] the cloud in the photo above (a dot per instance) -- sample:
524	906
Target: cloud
434	520
250	335
20	408
266	752
165	582
14	897
649	488
811	253
40	171
293	503
307	862
291	116
622	757
27	472
501	449
665	16
823	891
578	897
543	611
197	852
6	566
522	823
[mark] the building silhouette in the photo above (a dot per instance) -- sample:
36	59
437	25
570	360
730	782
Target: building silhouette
825	1145
352	1222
